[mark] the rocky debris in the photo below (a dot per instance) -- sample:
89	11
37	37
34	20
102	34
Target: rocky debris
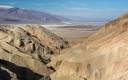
103	56
24	54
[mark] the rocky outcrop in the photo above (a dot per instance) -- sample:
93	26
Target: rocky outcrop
54	42
103	56
23	41
24	52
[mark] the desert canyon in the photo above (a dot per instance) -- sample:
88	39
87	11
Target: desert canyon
32	52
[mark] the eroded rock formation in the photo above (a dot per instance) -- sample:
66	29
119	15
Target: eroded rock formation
26	49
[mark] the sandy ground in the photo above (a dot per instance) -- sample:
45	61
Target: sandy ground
73	34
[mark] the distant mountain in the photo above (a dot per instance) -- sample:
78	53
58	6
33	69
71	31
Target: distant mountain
17	15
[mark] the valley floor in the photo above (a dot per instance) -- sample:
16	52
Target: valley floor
74	34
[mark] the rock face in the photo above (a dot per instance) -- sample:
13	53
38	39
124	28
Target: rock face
25	50
103	56
54	42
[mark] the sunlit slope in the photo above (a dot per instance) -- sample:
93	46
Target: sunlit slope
103	56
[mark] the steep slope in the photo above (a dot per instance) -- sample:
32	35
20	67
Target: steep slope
103	56
17	15
115	26
23	51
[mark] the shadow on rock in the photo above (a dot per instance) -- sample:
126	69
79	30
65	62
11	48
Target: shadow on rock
4	75
21	72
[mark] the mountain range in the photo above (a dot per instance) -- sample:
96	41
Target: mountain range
17	15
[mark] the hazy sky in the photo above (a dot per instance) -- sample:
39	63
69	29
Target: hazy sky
76	9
